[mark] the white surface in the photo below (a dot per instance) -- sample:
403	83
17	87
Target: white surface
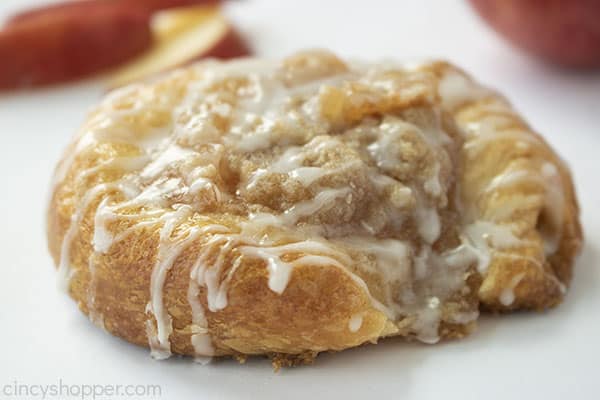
553	355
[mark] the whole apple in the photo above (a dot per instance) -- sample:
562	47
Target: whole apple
566	32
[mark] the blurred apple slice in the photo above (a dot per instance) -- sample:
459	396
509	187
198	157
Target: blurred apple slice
64	45
182	36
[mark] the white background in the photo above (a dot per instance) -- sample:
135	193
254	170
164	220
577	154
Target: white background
553	355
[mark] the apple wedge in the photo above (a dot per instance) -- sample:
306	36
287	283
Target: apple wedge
64	46
563	32
183	36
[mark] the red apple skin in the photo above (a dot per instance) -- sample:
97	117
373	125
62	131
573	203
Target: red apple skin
565	32
65	46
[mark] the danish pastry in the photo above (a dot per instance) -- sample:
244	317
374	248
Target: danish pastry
253	207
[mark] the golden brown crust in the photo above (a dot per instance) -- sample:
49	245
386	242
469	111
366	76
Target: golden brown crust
312	314
544	279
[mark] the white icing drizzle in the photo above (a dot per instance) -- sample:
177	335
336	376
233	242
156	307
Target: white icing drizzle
280	271
432	184
464	318
290	163
127	164
355	322
553	197
216	292
168	251
64	267
392	262
456	89
383	152
507	296
511	178
200	338
93	314
428	321
172	154
322	200
482	133
482	237
498	124
429	224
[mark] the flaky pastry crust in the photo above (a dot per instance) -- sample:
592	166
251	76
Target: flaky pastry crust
309	205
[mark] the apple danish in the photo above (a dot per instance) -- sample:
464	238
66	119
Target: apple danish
253	207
